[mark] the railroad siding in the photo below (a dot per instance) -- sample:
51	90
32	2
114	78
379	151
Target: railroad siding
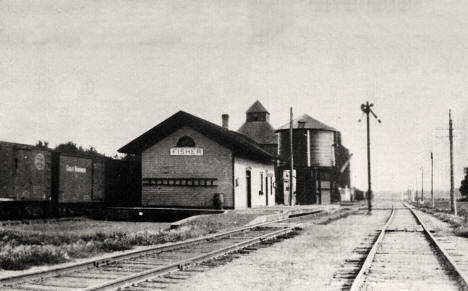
215	163
257	170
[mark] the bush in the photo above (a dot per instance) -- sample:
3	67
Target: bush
461	231
22	257
463	212
115	244
81	249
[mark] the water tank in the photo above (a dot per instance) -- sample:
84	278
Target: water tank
322	151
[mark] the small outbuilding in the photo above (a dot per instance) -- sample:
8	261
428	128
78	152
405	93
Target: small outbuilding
188	162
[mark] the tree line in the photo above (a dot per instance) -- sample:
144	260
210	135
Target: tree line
71	148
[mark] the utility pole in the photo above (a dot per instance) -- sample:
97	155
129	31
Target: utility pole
291	184
432	180
367	109
453	200
416	189
422	185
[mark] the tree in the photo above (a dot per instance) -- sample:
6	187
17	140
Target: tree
42	144
71	148
464	185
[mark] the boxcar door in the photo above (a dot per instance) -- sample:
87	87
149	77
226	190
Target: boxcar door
7	171
32	175
98	180
41	182
75	179
22	184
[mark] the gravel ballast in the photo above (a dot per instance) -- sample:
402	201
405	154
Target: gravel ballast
305	262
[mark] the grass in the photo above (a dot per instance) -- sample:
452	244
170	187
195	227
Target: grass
88	226
23	249
442	212
211	224
23	246
18	258
26	245
345	212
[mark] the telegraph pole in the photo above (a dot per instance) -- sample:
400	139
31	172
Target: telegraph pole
416	188
367	109
422	185
453	200
291	184
432	180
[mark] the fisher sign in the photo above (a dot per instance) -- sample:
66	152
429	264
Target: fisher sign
186	151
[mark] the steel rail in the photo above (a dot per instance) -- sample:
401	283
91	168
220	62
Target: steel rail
357	282
447	257
59	270
126	281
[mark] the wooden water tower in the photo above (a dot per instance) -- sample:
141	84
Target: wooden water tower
318	160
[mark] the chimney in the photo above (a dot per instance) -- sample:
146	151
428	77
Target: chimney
225	118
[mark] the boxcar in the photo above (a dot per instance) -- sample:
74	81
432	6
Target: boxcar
25	180
78	183
38	182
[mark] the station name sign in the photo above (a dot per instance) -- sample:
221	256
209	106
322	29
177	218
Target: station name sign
75	169
186	151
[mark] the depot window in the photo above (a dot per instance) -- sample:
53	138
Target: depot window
181	182
261	183
185	141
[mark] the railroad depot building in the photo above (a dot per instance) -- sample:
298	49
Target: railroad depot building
188	162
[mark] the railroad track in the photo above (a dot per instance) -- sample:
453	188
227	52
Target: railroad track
154	267
404	255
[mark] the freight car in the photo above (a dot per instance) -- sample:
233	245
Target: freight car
37	182
78	183
25	180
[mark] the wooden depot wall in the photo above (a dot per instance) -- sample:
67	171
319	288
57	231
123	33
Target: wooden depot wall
262	177
187	180
171	179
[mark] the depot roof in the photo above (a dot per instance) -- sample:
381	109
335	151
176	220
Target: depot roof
237	142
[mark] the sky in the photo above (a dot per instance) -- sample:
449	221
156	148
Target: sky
102	72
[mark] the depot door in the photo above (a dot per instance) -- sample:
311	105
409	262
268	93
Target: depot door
249	188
